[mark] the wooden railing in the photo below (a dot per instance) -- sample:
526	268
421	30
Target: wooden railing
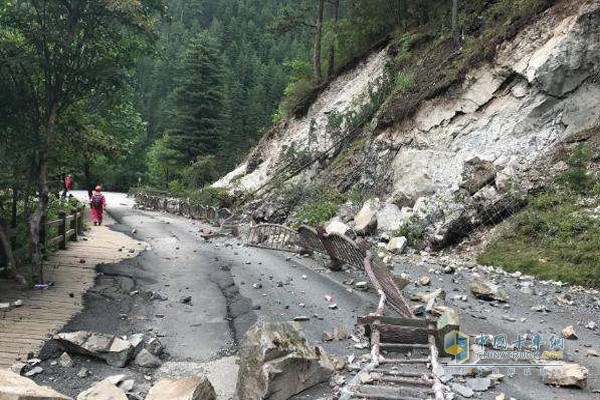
68	225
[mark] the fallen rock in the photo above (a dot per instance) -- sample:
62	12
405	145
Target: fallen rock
464	391
365	222
103	390
396	245
127	385
277	362
15	387
18	367
336	226
568	374
115	379
114	350
565	298
83	372
569	333
476	174
65	360
479	384
487	291
147	360
34	371
160	296
192	388
390	218
592	353
424	280
591	326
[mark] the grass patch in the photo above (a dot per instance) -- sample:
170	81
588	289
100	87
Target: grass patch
557	235
317	213
414	232
322	205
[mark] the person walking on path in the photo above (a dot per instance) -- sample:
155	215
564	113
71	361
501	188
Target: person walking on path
97	205
67	185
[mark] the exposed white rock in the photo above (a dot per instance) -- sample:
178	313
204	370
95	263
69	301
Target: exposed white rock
397	244
309	133
390	218
365	222
335	225
567	374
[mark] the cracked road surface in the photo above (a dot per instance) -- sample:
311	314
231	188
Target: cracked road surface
230	287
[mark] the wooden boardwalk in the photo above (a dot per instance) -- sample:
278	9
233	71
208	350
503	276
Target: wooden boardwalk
43	313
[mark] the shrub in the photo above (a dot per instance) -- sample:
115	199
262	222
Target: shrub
414	232
577	176
315	214
404	81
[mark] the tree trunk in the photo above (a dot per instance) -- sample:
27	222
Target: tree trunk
13	209
335	10
455	31
317	46
37	222
7	249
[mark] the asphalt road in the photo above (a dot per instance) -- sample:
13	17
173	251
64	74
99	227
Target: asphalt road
230	286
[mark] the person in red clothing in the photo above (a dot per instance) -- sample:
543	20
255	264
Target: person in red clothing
97	205
67	185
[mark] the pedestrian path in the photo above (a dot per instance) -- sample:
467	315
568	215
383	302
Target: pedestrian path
24	329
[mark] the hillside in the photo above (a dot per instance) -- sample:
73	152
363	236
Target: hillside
446	137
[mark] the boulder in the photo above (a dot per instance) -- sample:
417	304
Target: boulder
15	387
476	174
567	374
396	245
402	200
507	177
114	350
335	225
147	359
277	362
192	388
390	218
366	220
65	361
347	212
487	291
569	333
103	390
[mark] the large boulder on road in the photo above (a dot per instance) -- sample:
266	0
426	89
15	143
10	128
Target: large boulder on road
277	362
16	387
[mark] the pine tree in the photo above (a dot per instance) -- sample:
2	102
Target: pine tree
198	123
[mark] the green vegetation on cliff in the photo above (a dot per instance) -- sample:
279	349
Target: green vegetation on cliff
557	235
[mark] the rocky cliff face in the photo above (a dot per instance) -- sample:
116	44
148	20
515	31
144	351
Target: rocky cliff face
472	142
542	86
